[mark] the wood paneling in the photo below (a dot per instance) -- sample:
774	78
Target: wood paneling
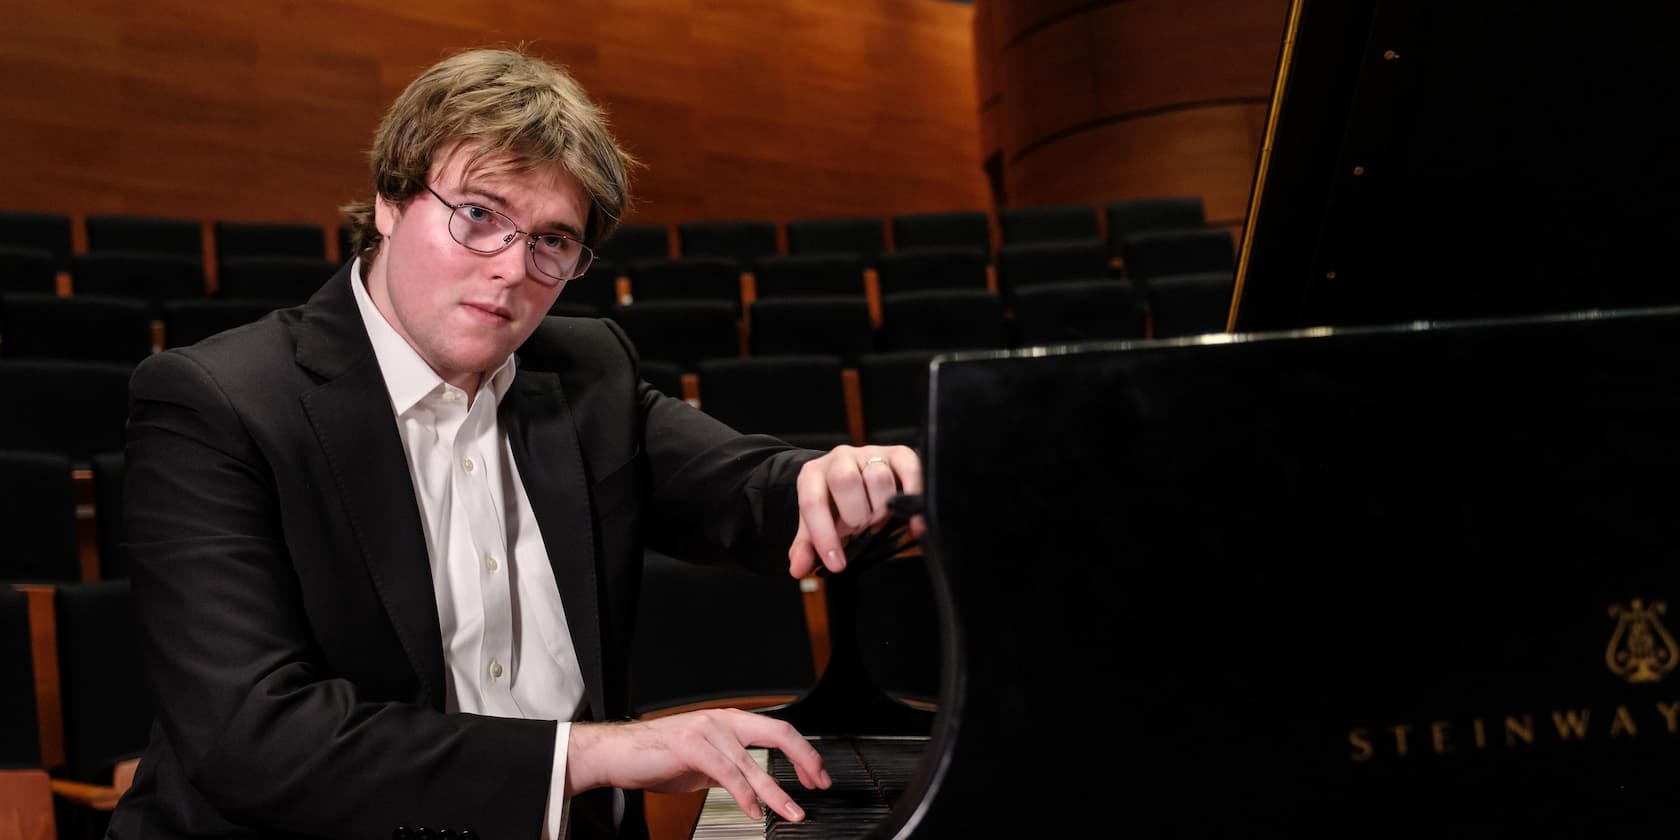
1208	152
1099	101
745	109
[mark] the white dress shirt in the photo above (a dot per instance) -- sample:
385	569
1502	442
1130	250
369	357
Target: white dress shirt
507	650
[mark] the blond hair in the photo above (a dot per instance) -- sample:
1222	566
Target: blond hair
500	103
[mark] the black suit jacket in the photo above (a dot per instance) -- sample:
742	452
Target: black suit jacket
283	592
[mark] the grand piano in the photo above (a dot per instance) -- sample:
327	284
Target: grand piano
1395	556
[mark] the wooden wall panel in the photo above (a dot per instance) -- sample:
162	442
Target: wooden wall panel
1208	152
740	108
1132	98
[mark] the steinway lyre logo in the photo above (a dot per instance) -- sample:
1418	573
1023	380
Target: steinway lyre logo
1641	649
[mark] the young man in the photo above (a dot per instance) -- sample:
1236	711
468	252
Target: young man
385	566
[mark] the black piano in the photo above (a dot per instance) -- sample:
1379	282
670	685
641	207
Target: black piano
1398	556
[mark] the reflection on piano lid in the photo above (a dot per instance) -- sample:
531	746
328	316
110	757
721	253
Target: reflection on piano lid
1398	581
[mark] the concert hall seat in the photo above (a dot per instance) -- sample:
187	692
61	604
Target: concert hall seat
144	234
1190	304
596	289
969	229
1077	310
921	269
800	399
636	242
107	711
681	331
77	408
665	376
189	321
27	270
1047	224
809	274
1032	263
949	319
26	798
107	514
714	635
894	389
107	714
85	328
864	237
154	278
49	232
1135	215
38	517
268	239
742	240
346	242
685	278
803	325
20	730
288	278
1158	253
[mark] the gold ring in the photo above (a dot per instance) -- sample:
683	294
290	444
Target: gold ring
875	460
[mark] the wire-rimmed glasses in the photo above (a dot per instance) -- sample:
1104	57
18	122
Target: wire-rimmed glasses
556	256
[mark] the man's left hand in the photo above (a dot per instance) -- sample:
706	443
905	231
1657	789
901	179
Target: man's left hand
844	493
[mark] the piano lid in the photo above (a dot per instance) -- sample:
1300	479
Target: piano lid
1409	581
1400	581
1465	159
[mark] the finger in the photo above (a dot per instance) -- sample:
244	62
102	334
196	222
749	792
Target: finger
807	762
802	556
881	484
845	489
816	519
739	788
918	525
907	465
729	743
771	794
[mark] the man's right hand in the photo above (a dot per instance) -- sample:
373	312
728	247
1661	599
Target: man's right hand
693	751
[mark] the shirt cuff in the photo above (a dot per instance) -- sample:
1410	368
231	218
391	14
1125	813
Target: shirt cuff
554	815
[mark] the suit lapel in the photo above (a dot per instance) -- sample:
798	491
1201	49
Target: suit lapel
351	415
550	460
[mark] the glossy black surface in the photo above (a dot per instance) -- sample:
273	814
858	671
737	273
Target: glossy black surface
1466	159
1192	589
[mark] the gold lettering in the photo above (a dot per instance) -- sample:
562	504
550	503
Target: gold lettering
1481	733
1572	722
1440	736
1670	713
1515	730
1360	740
1623	723
1400	732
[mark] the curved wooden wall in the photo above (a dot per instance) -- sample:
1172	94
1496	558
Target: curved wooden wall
1088	102
772	109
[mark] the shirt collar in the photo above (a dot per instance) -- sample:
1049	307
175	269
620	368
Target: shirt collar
408	378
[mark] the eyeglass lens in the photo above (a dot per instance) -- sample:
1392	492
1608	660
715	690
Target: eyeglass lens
488	232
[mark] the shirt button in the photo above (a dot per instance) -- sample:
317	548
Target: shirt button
495	669
490	563
467	464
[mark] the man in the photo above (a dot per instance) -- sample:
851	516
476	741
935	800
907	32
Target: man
382	562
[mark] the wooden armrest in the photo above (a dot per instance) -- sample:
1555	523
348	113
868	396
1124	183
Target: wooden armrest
98	797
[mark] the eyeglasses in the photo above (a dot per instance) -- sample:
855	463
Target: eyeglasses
481	230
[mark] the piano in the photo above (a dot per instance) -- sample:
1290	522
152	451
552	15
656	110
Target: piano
1398	555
